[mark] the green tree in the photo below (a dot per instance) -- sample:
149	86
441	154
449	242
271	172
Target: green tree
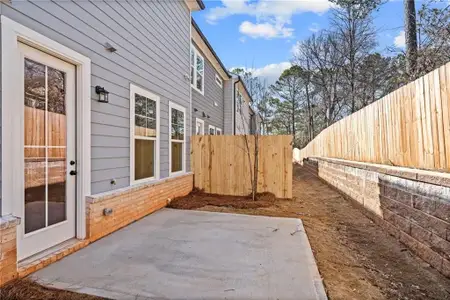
376	78
289	89
356	38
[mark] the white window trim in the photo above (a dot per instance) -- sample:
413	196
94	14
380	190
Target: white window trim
218	129
143	92
12	126
219	81
182	109
211	127
193	85
203	126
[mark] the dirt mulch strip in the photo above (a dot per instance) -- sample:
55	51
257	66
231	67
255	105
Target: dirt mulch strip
198	199
25	289
356	258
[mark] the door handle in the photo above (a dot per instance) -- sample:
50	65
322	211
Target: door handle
73	173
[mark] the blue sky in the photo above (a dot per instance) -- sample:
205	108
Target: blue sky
260	34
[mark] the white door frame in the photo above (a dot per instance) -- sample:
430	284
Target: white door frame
12	33
39	239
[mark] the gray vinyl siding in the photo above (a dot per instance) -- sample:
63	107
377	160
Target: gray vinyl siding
228	106
152	39
205	103
243	120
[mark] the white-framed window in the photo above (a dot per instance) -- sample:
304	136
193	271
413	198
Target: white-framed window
177	147
218	131
199	126
197	70
239	101
219	81
211	130
144	135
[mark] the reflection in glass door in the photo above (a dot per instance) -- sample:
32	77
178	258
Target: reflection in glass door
44	146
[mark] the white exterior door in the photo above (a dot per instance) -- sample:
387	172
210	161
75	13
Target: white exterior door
46	201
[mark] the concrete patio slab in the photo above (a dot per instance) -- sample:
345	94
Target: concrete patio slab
174	254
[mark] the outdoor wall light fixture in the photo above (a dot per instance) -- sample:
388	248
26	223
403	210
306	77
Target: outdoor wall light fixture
196	110
203	114
110	47
102	94
207	116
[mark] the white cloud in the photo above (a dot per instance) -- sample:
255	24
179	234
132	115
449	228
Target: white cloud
314	27
400	40
280	10
242	39
265	30
270	73
272	17
294	49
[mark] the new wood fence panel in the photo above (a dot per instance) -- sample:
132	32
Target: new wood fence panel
409	127
221	164
444	78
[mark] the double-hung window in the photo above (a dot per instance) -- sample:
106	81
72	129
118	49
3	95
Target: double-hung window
177	148
197	70
144	133
212	130
199	126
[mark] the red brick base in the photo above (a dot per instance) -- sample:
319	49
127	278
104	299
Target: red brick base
127	205
131	204
8	249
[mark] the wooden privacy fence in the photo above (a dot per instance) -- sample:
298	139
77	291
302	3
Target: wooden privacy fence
221	164
409	127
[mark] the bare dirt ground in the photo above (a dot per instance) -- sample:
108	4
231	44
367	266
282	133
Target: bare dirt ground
28	290
198	199
356	258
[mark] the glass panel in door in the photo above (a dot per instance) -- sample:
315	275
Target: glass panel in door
45	141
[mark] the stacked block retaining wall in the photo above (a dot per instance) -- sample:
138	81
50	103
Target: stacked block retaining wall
412	205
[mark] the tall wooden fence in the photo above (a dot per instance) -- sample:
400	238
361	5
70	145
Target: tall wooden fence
409	127
221	164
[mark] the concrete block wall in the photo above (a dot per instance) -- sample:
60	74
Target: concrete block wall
412	205
131	204
8	249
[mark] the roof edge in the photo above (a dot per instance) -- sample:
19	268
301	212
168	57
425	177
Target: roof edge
201	4
209	46
244	85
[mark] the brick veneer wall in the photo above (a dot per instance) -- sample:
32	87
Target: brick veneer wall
127	204
8	248
412	205
131	204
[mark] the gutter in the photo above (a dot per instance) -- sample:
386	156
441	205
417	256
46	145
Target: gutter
234	102
201	4
194	128
246	90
